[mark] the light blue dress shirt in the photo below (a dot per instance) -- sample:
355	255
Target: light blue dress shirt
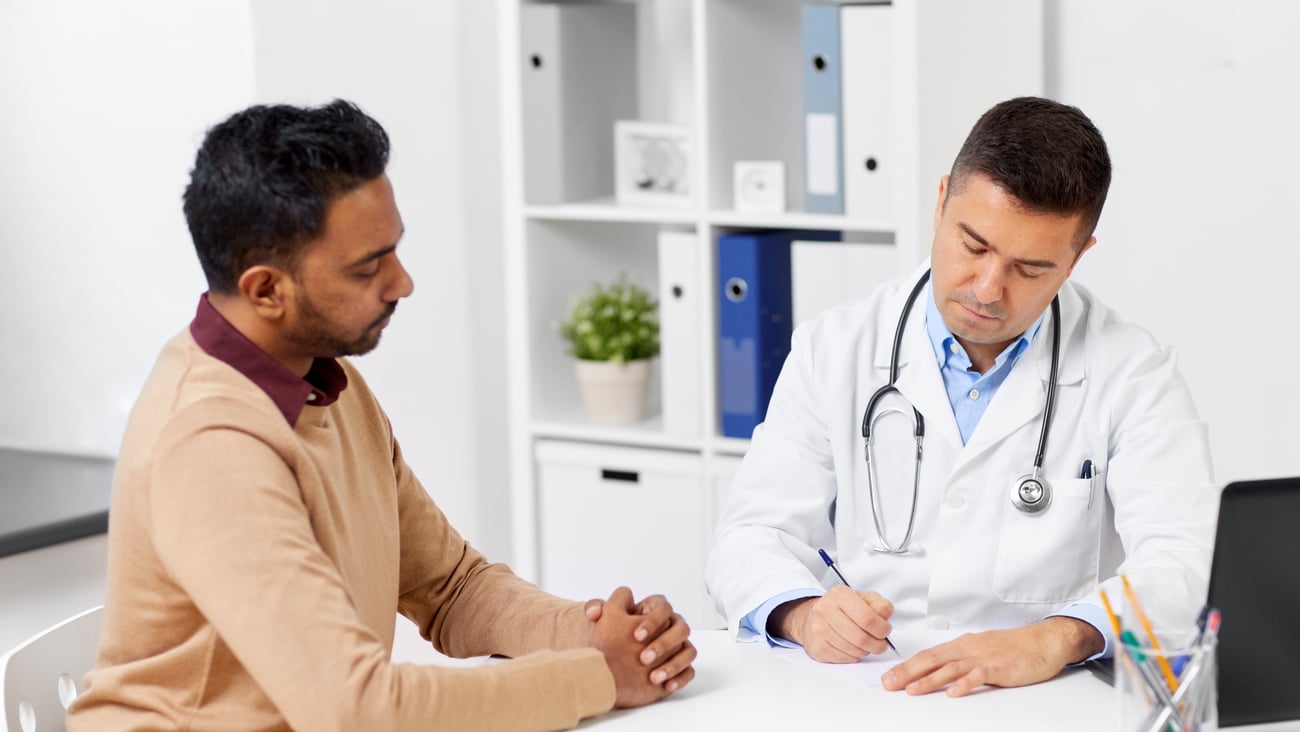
969	393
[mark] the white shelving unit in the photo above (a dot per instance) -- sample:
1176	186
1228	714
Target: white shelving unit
731	71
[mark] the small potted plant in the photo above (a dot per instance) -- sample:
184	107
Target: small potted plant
613	333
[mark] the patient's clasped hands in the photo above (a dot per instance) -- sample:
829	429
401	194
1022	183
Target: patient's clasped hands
646	645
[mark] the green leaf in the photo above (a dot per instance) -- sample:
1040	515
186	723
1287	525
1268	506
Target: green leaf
618	322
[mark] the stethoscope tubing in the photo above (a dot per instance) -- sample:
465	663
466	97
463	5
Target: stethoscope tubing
1049	409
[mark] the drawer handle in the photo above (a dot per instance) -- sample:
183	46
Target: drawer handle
627	476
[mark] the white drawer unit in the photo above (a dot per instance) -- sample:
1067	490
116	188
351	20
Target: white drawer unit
611	516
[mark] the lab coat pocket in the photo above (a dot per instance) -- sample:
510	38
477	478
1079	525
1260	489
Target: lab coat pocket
1049	557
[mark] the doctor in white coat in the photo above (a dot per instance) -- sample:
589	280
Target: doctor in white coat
975	359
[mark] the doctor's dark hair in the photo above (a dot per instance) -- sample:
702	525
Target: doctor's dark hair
1048	155
264	179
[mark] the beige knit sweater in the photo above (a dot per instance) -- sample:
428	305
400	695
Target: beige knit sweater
256	569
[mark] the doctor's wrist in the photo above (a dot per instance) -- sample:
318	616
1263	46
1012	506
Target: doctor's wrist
1074	640
787	619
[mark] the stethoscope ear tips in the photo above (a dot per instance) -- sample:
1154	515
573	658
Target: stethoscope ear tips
1031	495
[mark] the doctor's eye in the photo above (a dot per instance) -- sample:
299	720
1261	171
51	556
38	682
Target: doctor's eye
1029	273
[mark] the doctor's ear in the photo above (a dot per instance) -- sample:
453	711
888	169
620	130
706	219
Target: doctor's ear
941	202
1079	254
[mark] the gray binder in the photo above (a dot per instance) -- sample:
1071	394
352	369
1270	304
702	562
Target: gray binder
870	150
823	118
578	78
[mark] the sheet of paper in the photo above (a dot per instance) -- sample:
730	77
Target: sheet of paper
866	672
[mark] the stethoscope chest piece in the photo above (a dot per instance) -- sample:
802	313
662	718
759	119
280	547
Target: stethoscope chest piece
1031	494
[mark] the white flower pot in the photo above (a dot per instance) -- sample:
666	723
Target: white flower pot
612	392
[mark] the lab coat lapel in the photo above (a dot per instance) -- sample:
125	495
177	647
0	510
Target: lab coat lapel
1017	401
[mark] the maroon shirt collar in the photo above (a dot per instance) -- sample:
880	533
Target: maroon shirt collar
221	340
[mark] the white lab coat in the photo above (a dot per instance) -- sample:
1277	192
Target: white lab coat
1121	402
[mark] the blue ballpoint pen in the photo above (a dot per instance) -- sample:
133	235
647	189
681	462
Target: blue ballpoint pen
1089	473
831	563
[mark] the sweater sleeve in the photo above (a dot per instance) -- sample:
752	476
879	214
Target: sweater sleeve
464	604
236	536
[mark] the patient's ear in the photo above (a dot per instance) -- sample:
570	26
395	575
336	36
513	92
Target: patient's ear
268	290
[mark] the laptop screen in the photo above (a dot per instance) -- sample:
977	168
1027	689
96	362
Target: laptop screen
1255	584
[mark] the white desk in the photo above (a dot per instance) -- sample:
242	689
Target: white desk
745	686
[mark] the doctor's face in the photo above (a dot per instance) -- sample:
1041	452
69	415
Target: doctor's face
996	265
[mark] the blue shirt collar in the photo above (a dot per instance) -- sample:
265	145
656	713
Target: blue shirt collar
943	341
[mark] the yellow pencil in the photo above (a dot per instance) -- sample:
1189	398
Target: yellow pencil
1120	653
1155	643
1114	621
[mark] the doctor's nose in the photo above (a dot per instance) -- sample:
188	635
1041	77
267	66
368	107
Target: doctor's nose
988	284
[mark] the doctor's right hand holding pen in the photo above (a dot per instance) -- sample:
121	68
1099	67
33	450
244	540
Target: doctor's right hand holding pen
841	626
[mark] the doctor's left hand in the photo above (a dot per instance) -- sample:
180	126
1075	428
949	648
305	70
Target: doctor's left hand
1016	657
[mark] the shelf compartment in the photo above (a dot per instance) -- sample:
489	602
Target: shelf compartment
565	260
754	90
583	67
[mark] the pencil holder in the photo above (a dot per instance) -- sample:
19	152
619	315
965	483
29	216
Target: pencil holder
1165	679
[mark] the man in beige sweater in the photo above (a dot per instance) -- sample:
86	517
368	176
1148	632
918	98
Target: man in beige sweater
265	530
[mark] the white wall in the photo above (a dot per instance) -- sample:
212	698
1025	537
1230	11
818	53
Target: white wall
1199	242
103	107
481	166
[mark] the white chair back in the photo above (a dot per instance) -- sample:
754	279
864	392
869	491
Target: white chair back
40	678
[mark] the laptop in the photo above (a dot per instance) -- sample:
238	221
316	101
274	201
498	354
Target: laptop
1255	584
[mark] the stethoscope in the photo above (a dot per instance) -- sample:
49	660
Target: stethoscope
1030	493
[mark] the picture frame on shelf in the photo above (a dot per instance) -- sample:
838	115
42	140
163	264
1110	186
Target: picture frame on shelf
653	164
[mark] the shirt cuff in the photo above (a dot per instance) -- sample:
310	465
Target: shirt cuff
754	625
1095	616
